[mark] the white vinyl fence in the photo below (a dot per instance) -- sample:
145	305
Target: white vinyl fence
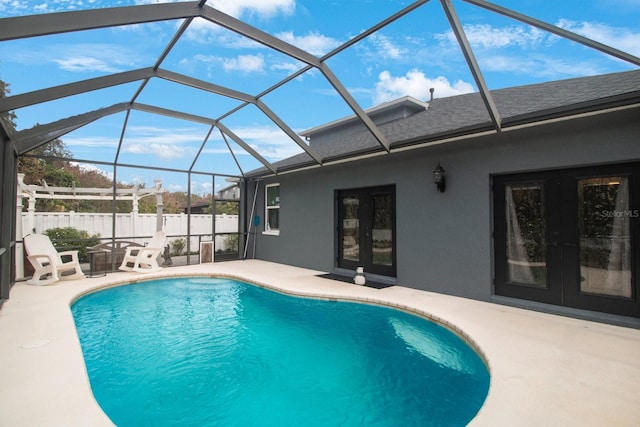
138	228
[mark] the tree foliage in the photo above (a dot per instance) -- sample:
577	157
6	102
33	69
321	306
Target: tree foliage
229	208
11	115
51	164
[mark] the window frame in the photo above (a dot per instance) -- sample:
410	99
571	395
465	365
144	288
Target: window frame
267	208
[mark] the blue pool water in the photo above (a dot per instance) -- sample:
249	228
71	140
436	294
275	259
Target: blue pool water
218	352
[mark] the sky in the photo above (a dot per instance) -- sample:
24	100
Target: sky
407	57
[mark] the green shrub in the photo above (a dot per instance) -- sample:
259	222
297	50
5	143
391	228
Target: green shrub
177	246
71	239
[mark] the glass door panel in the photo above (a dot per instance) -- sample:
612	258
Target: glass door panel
382	230
526	246
351	228
366	230
604	224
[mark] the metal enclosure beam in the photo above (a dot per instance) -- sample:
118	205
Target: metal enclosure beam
344	93
556	30
29	139
8	189
172	113
235	159
203	85
258	36
246	147
204	142
456	26
64	22
377	27
286	129
174	40
70	89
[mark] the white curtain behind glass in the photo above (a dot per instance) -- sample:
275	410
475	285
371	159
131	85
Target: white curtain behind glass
618	278
517	258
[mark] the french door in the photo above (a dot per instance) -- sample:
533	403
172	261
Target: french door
569	237
366	229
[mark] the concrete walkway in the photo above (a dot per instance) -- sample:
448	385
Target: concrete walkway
546	370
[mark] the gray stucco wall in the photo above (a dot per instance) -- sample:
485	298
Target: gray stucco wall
444	241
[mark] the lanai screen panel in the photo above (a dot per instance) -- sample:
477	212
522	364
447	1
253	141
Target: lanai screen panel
157	141
97	141
139	222
62	108
222	154
183	98
213	54
257	130
308	101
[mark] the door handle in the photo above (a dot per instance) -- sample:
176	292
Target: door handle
553	244
571	245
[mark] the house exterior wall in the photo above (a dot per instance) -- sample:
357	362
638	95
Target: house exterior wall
444	241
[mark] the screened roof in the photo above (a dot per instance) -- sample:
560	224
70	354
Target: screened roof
227	87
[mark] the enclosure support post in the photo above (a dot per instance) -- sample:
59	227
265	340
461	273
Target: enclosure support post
19	233
251	222
159	205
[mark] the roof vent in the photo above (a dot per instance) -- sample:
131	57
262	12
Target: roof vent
431	90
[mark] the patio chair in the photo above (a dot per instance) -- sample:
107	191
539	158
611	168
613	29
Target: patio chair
144	259
49	264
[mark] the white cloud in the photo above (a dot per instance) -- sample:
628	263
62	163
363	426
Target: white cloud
20	7
204	32
264	8
540	66
164	143
91	141
83	57
385	47
289	67
487	36
492	47
619	38
245	63
268	140
417	85
85	64
236	8
163	151
201	187
314	43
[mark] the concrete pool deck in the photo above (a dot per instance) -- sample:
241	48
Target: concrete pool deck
546	370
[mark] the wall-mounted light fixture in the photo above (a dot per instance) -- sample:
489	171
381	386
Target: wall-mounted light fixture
439	178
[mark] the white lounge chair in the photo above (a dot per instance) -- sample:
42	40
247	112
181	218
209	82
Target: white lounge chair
48	263
143	259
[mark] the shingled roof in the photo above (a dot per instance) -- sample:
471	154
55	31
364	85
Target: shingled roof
466	115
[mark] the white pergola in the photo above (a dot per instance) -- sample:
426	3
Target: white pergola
32	193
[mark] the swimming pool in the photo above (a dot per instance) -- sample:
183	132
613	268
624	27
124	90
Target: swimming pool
213	351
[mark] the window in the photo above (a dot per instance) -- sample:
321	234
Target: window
272	209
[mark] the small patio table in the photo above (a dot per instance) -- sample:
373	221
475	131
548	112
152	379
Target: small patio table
93	271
